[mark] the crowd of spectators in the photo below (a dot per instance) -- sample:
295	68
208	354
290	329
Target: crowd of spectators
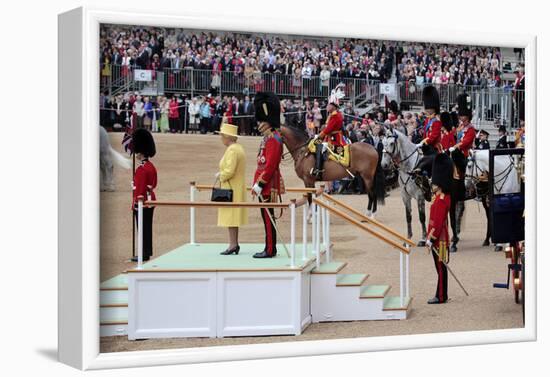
449	64
161	48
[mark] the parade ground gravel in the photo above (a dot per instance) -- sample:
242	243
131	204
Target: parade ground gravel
183	158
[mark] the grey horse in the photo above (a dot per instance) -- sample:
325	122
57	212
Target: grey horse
400	151
106	157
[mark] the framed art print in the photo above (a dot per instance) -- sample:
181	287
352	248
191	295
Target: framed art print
235	189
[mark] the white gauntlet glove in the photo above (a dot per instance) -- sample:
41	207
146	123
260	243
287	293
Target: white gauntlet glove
257	189
452	149
428	243
419	145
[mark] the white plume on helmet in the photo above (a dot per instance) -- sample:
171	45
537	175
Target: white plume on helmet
336	94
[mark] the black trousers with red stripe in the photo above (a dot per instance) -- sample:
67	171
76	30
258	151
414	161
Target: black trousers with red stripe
269	228
441	268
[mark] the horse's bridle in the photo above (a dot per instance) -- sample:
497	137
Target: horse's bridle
394	160
499	178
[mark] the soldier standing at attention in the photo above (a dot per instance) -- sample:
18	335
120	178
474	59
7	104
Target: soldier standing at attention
268	182
437	241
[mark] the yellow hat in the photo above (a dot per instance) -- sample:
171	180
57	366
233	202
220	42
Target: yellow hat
229	130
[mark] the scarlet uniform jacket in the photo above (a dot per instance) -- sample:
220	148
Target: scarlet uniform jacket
267	172
432	132
437	226
468	138
333	130
145	181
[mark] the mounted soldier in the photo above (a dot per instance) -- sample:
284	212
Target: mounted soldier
331	136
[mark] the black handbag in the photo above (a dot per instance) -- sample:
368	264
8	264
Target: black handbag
221	195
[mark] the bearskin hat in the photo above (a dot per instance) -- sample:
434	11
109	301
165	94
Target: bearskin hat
442	172
464	105
446	121
430	98
394	107
268	108
454	119
143	142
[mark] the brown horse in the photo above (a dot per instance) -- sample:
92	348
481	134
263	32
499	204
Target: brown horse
363	161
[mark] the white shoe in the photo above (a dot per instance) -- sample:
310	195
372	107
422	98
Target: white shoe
369	214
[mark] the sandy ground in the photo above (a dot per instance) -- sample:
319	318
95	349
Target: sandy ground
184	158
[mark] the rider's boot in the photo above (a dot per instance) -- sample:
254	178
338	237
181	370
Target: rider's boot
318	170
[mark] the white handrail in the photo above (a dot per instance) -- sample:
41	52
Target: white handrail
328	251
318	215
293	233
140	233
192	192
304	231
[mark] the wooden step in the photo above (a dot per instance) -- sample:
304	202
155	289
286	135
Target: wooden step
347	280
374	291
394	303
329	268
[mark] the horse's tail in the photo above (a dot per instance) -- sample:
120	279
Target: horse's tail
120	160
379	186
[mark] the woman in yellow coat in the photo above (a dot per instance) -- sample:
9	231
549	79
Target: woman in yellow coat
232	176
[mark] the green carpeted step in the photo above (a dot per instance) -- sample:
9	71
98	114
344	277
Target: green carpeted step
115	297
118	282
344	280
329	268
394	303
374	291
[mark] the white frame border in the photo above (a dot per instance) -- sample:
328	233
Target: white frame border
82	350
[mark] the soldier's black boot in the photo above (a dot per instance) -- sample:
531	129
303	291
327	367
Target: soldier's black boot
318	171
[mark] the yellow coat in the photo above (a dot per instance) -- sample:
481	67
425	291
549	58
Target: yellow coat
232	176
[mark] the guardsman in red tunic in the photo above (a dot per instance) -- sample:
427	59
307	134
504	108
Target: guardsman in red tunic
145	182
332	135
438	234
431	144
268	182
466	130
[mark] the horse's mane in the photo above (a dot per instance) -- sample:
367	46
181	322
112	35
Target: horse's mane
299	132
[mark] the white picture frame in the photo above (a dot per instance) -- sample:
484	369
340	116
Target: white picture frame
79	195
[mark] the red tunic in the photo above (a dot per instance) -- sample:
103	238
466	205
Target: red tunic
437	226
145	181
432	132
448	140
332	133
269	158
467	141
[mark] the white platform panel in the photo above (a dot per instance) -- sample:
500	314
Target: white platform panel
165	305
260	303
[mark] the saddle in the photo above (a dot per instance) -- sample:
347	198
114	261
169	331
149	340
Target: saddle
341	155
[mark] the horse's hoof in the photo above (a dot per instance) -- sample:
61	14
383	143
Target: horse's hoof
485	243
453	248
498	248
421	243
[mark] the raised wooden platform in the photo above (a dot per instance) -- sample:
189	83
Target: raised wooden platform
193	291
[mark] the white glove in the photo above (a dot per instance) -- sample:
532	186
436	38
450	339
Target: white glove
452	149
429	244
419	145
257	189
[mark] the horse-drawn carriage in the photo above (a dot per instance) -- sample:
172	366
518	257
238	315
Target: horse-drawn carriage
507	221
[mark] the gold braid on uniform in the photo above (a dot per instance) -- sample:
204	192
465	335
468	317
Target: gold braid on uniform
443	252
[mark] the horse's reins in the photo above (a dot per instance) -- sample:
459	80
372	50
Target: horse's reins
397	162
505	174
